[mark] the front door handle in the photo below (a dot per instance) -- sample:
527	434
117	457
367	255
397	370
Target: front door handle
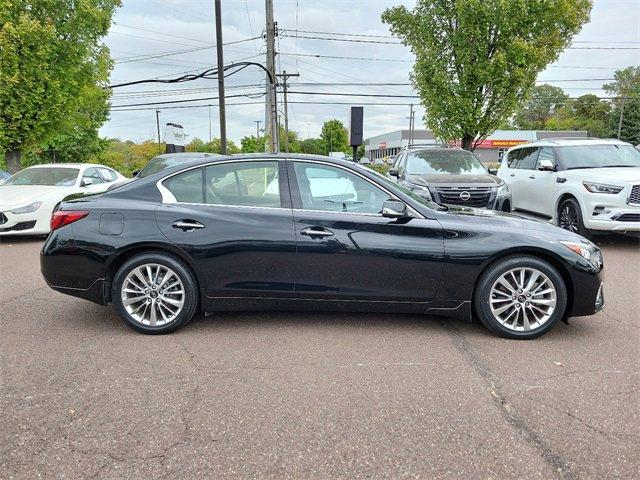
532	177
512	175
316	232
187	225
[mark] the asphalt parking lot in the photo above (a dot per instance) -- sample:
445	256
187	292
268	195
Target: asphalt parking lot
323	395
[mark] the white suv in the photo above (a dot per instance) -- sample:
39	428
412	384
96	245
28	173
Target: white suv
582	185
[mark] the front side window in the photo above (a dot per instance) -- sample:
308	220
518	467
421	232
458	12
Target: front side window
599	156
108	175
252	184
93	176
333	189
546	153
54	177
444	162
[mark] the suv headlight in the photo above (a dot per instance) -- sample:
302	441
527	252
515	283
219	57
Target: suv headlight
419	190
602	188
588	251
32	207
503	190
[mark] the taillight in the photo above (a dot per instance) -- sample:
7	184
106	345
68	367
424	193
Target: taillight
65	217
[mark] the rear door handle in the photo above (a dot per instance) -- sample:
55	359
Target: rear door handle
316	232
512	175
532	177
187	225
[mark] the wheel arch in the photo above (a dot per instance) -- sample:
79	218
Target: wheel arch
566	196
132	250
554	260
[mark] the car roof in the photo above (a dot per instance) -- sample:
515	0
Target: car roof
187	155
569	142
72	165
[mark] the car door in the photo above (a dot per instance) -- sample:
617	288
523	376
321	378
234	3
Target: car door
526	178
234	219
541	193
508	172
347	250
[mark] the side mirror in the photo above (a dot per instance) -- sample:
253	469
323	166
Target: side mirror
86	182
493	171
394	172
135	173
546	166
394	209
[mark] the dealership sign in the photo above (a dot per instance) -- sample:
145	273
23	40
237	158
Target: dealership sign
500	143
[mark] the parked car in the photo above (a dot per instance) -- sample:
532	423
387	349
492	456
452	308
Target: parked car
450	176
582	185
3	176
29	197
167	160
213	235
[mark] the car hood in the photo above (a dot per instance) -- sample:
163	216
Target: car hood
612	174
485	179
512	222
17	195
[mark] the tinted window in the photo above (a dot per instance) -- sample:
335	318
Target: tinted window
327	188
528	159
186	186
546	153
513	156
58	177
598	156
162	162
253	184
444	162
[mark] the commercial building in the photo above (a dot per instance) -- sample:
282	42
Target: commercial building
489	150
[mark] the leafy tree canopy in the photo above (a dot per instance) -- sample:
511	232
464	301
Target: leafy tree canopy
334	137
50	55
477	59
543	101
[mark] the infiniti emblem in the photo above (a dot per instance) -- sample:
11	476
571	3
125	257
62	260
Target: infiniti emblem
464	196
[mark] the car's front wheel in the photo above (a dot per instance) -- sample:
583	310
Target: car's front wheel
520	297
570	217
155	293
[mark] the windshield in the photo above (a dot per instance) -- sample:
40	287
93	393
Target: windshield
53	177
599	156
444	162
393	185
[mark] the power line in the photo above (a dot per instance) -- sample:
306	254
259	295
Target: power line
159	33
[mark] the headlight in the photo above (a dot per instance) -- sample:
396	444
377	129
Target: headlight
589	252
503	190
420	190
602	188
32	207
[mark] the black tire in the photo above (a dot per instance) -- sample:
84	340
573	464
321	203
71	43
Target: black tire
178	267
486	281
570	217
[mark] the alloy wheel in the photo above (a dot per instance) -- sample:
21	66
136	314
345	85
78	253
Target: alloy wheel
152	294
523	299
569	218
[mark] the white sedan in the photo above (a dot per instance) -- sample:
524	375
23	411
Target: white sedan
29	197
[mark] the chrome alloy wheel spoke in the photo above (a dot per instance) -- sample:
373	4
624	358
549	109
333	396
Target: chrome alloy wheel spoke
522	299
152	294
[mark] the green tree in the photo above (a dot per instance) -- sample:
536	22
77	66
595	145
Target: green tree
334	137
542	102
476	60
214	146
50	53
312	146
626	87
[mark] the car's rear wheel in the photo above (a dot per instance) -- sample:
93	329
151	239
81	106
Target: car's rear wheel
155	293
520	297
570	217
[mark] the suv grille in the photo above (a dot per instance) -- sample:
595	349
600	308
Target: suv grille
3	218
477	196
634	198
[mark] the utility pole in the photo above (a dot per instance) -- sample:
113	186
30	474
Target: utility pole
223	120
285	76
272	146
158	126
621	117
411	124
257	122
210	138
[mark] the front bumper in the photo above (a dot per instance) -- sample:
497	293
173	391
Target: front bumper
610	213
22	224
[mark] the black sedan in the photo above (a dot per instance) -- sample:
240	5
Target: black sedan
280	232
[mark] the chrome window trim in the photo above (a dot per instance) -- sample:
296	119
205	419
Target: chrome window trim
169	198
414	213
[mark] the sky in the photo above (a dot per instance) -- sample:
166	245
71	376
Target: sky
168	38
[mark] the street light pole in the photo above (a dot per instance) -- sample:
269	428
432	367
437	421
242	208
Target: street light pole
158	127
223	120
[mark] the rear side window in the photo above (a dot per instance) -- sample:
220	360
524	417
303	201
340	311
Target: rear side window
512	157
250	184
528	159
186	186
